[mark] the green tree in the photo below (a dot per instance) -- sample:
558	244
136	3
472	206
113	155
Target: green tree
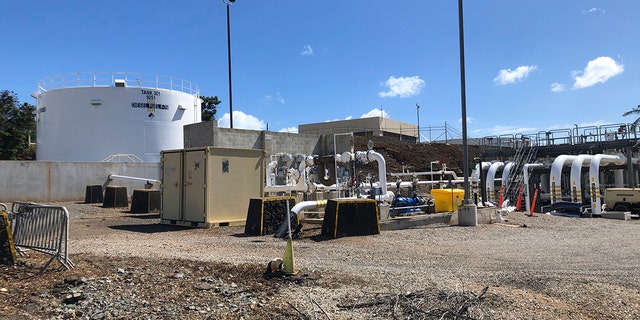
209	107
635	123
17	123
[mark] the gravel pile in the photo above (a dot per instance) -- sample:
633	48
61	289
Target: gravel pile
129	266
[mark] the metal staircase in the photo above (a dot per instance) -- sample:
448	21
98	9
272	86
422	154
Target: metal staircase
524	154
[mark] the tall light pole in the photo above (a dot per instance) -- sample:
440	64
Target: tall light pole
463	98
229	3
468	212
418	114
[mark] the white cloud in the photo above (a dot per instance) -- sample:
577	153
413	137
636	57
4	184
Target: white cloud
469	120
347	118
598	70
289	129
277	97
596	123
593	10
375	113
507	76
307	51
500	130
581	125
558	87
242	120
402	87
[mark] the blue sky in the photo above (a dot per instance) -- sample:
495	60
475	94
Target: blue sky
530	65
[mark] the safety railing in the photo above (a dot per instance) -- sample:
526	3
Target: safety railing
567	136
109	79
42	228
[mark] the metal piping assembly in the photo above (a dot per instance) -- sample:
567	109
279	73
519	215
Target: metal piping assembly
576	176
555	181
594	177
490	183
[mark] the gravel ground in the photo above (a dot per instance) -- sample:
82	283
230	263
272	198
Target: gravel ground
129	266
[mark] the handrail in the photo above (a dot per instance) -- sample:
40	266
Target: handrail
565	136
108	79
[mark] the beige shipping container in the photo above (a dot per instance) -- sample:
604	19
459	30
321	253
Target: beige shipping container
204	187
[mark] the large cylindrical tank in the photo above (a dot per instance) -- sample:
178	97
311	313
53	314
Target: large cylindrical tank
93	116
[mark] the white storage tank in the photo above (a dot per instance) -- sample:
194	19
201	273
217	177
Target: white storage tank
94	116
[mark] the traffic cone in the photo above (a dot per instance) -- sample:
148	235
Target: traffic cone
287	259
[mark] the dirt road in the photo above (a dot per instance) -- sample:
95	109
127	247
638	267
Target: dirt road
129	266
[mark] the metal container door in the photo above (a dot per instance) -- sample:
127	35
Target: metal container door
195	185
171	185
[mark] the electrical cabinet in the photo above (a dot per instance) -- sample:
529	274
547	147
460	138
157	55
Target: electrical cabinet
204	187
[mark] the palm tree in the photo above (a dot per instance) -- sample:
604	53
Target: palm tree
635	110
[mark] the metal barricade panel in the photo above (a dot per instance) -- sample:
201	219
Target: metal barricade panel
42	228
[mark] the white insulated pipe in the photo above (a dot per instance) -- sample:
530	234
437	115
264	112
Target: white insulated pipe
576	176
477	172
525	170
618	178
506	172
147	180
490	183
366	157
301	185
305	205
594	177
271	166
426	173
555	181
410	183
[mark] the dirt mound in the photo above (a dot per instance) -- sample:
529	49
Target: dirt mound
415	157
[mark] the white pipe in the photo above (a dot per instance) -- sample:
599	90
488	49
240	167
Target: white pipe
525	170
270	168
594	177
286	188
555	182
506	172
618	176
304	205
147	180
544	183
367	156
576	176
477	172
410	183
302	172
426	173
491	175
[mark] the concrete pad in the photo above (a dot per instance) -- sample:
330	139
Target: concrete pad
407	222
620	215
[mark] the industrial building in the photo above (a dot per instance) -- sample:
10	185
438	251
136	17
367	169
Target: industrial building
374	126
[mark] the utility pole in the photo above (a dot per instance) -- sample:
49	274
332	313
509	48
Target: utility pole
418	114
229	3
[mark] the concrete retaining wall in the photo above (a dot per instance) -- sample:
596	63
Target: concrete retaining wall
44	181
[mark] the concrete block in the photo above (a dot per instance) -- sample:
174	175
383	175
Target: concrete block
94	194
468	215
145	201
350	217
115	197
620	215
399	223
